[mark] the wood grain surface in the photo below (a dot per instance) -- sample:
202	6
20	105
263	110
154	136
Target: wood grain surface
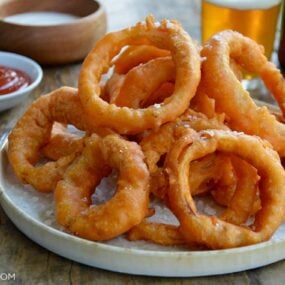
33	264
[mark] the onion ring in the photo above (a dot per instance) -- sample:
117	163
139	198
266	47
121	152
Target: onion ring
239	203
124	210
229	95
124	120
212	231
33	131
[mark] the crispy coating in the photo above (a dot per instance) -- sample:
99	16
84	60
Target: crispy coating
32	132
136	55
201	102
136	89
158	233
244	200
126	120
232	182
157	144
62	143
212	172
220	83
113	86
158	96
124	210
210	230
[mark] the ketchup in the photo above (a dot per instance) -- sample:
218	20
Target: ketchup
12	80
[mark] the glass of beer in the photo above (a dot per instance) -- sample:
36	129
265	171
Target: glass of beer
256	19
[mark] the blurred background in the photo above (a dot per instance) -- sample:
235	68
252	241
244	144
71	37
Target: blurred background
126	12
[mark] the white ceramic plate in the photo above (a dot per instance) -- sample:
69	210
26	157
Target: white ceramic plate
32	213
27	65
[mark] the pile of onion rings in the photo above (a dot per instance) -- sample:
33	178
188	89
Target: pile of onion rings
171	120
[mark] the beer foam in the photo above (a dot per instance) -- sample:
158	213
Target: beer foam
245	4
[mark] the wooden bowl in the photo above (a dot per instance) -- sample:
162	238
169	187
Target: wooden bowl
52	43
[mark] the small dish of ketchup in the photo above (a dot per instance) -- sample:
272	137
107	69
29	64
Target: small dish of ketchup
19	75
12	79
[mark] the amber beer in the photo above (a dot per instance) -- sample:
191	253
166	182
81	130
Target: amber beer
256	19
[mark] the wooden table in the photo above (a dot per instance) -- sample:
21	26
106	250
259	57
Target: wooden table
33	264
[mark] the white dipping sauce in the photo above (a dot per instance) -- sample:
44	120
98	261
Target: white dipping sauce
44	18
